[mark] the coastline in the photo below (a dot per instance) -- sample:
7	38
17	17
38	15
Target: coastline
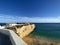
41	37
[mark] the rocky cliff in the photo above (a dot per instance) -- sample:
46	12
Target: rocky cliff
22	29
25	29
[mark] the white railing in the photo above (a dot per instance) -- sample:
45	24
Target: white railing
15	39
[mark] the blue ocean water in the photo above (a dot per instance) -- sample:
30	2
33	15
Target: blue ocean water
2	24
49	30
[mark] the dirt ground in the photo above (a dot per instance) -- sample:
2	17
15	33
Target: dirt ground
39	41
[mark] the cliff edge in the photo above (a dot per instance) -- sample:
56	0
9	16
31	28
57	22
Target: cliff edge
25	29
22	30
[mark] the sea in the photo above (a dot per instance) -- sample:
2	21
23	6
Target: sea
47	30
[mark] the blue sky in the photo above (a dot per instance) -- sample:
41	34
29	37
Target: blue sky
29	10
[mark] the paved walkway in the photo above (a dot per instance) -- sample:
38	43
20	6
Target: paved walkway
4	39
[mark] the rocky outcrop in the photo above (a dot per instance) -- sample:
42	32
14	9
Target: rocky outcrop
21	29
24	30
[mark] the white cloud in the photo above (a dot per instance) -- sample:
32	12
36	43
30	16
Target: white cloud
7	18
41	20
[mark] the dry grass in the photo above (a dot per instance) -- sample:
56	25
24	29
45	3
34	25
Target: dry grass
31	41
39	41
